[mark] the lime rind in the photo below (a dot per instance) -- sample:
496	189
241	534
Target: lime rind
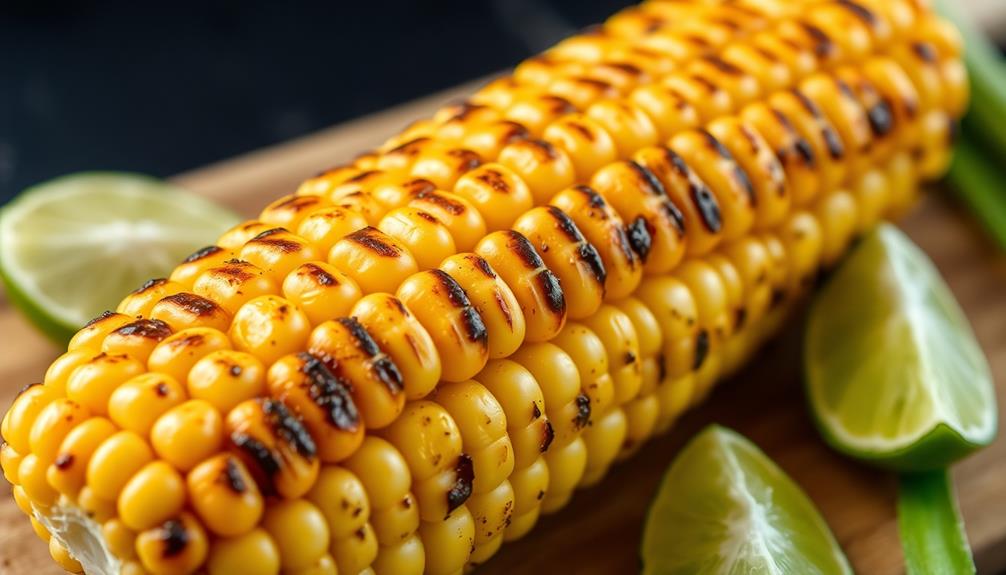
725	507
72	247
894	373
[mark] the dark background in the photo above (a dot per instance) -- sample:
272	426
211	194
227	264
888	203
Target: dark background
162	87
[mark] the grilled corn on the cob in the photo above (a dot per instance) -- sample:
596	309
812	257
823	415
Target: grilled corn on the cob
403	364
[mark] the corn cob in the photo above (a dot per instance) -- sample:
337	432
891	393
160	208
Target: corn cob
401	365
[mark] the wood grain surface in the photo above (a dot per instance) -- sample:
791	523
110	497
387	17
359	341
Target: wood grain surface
600	531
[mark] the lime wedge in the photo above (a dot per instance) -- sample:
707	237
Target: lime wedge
71	248
894	374
725	507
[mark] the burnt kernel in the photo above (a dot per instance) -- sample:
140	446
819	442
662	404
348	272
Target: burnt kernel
594	199
321	277
495	180
824	47
739	173
654	186
372	239
285	246
535	411
196	305
464	472
232	477
455	293
258	452
161	389
202	253
545	151
267	233
629	358
364	342
521	246
740	318
387	372
924	51
722	65
147	328
805	152
475	327
482	265
554	297
881	119
701	349
149	284
640	237
64	461
709	208
588	255
564	224
289	428
548	435
410	148
671	212
449	205
582	411
559	106
173	535
859	11
467	159
101	317
579	128
330	393
463	109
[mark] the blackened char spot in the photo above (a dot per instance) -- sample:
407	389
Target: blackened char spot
233	477
364	342
147	328
101	317
654	187
564	224
835	147
640	237
629	358
805	152
455	293
701	348
387	372
588	255
263	457
554	297
672	214
202	253
474	326
330	393
547	436
174	537
739	173
64	461
365	175
449	205
702	196
321	277
881	119
582	411
823	45
149	284
740	318
267	233
522	247
464	473
925	51
722	65
373	239
535	411
482	265
286	426
860	11
195	305
410	148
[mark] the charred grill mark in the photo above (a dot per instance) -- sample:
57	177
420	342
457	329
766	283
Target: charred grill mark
475	327
739	173
740	318
288	428
564	224
522	247
283	245
360	335
835	147
672	214
588	255
463	110
653	185
372	239
202	253
467	159
554	297
190	340
320	276
504	307
723	66
235	271
495	180
427	217
388	374
535	411
705	83
626	67
640	237
579	128
194	304
464	473
924	51
419	186
409	149
881	119
366	175
101	317
330	393
558	105
482	265
64	461
701	349
547	436
151	283
582	411
174	537
232	477
544	151
823	45
594	199
449	205
259	453
859	11
147	328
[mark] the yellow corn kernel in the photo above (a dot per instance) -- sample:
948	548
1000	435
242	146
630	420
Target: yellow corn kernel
491	512
535	111
424	235
142	300
278	252
269	327
405	558
603	229
448	543
186	311
91	335
67	472
177	353
321	291
22	500
327	226
751	260
497	192
530	485
121	539
492	297
591	359
674	307
641	416
232	284
711	298
136	404
188	433
395	524
670	111
459	216
61	368
274	446
287	212
621	345
98	508
603	439
224	495
136	339
376	384
483	426
535	287
53	423
226	378
92	383
770	73
588	144
9	462
321	400
518	394
838	214
400	335
19	419
62	557
40	530
239	235
325	565
32	473
383	471
566	465
299	530
803	239
440	304
342	500
627	123
546	169
444	166
254	553
568	409
375	260
655	224
153	495
176	547
569	255
198	262
355	553
395	193
427	437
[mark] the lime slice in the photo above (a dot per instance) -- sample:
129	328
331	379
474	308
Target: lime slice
71	248
725	507
894	374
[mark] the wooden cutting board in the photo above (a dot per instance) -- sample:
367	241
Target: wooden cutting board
600	531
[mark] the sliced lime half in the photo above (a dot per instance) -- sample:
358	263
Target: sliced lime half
71	248
725	507
894	374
